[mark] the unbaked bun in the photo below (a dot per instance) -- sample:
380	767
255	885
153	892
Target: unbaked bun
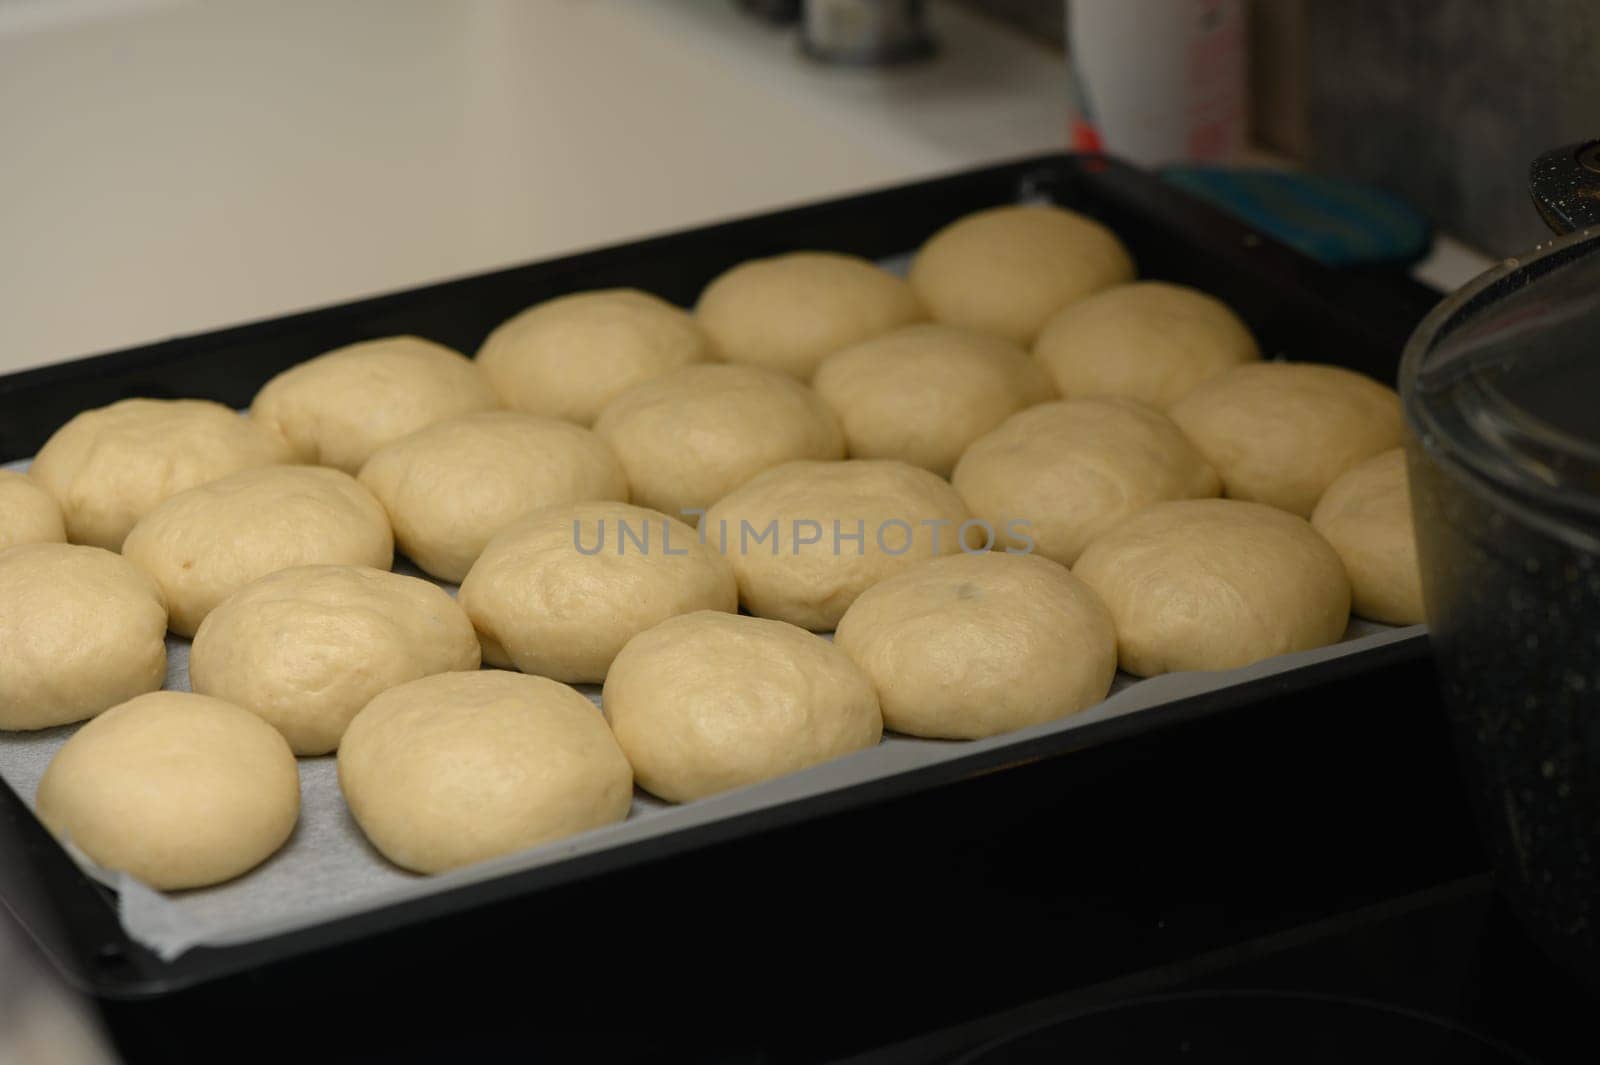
1151	341
1281	432
1006	270
707	702
1214	584
560	591
1052	478
976	645
570	356
922	393
791	311
806	538
1366	516
462	767
28	514
81	630
689	438
203	545
338	408
306	648
177	790
449	488
110	466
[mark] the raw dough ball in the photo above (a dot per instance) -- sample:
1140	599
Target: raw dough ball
340	407
306	648
560	591
707	702
791	311
203	545
569	357
976	645
175	789
28	514
1006	270
1216	584
1053	478
81	630
779	531
691	437
922	393
1150	341
1281	432
461	767
450	487
1366	516
110	467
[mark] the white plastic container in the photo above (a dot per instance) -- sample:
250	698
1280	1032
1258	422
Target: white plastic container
1158	81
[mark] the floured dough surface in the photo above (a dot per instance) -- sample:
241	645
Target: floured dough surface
1150	340
111	466
203	545
462	767
338	408
1366	516
1054	477
791	311
806	538
710	701
81	630
570	356
1216	584
1006	270
449	488
28	514
1282	432
306	648
689	438
178	790
924	392
977	645
560	591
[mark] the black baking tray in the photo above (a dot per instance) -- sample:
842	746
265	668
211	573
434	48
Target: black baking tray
760	898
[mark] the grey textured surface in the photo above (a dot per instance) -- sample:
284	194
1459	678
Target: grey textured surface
1448	103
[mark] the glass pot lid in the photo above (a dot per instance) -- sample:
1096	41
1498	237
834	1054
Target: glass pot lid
1503	379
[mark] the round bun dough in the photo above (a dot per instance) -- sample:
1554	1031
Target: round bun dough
1052	478
1215	584
177	790
203	545
568	357
338	408
976	645
306	648
560	591
28	514
1151	341
922	393
1366	516
110	467
81	629
461	767
451	487
1006	270
707	702
1281	432
791	311
691	437
779	529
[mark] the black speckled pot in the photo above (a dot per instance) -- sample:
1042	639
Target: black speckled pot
1509	540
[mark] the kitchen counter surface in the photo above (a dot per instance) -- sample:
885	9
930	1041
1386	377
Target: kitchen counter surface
175	167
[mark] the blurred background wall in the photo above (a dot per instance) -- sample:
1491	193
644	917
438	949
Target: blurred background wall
1445	103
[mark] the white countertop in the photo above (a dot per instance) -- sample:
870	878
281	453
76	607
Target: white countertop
174	167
